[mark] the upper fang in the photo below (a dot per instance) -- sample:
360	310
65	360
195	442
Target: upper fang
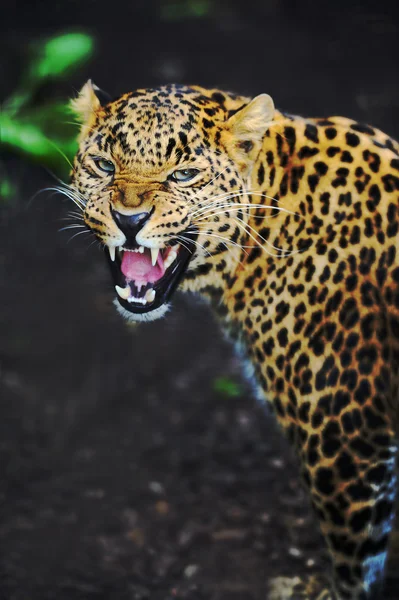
154	256
111	250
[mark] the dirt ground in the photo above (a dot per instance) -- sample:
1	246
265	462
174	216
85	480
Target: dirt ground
124	473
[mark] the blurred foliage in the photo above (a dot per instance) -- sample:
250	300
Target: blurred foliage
43	132
7	189
227	387
176	10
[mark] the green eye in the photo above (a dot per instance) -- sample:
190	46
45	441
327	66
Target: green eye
105	165
184	175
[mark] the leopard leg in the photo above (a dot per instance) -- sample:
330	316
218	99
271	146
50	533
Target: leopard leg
297	588
350	469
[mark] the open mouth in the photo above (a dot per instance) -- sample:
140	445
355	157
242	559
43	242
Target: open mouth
144	278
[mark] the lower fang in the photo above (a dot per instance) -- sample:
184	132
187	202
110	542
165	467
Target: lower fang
124	293
150	295
170	259
111	250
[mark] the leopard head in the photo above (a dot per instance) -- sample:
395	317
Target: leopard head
163	177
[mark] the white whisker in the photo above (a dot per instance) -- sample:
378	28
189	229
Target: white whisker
237	207
73	227
225	240
227	197
280	250
67	193
209	183
182	237
79	233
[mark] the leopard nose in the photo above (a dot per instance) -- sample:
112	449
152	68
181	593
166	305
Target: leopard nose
130	225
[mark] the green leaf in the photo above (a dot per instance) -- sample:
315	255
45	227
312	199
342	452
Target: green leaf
7	189
53	119
55	58
227	387
30	140
62	53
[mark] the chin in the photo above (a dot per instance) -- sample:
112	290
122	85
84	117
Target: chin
133	317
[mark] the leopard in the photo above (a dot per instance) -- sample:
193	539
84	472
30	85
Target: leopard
288	227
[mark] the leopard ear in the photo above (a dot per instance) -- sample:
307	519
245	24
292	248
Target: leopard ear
252	121
244	130
85	106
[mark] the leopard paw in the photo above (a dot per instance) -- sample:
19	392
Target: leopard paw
296	588
283	588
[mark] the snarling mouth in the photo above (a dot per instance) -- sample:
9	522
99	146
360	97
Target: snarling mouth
144	278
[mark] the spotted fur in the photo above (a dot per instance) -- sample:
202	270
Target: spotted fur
297	252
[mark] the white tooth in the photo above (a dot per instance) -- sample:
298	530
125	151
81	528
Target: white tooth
150	295
111	250
138	300
170	258
141	249
154	255
123	292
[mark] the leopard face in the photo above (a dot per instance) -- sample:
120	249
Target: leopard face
156	170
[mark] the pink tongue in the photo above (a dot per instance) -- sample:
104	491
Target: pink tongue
138	267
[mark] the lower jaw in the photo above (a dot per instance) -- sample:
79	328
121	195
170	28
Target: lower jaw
135	317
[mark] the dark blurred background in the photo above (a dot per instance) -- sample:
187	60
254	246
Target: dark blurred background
135	463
